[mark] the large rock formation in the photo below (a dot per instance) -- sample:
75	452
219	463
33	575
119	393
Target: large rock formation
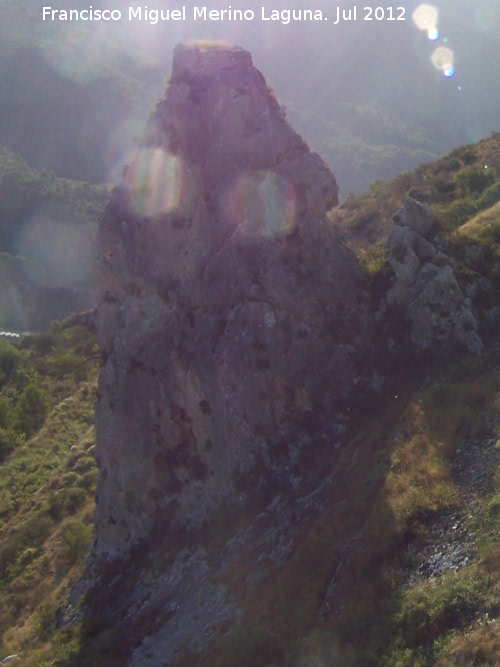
230	317
426	286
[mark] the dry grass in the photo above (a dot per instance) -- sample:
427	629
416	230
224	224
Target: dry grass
484	228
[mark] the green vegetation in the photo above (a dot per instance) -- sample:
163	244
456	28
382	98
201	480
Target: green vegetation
50	222
9	360
47	485
24	191
462	191
32	409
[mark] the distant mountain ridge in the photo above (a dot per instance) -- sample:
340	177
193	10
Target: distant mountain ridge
375	104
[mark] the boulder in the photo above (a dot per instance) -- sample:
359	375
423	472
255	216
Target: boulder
426	285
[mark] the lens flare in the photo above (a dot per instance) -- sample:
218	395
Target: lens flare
79	51
433	34
154	180
58	247
120	144
263	204
485	16
426	17
442	59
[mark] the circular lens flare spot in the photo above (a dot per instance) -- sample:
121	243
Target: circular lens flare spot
263	204
426	17
433	34
485	16
442	59
154	180
78	51
58	248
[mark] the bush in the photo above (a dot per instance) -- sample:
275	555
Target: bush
489	196
71	499
9	361
44	342
5	412
444	186
32	410
474	180
432	610
77	540
372	260
9	440
454	215
467	155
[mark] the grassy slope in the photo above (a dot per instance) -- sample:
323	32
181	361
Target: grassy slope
393	480
47	487
455	187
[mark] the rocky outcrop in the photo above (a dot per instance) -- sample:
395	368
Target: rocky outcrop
231	318
426	286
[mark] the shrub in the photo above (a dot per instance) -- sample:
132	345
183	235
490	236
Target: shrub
5	412
32	409
430	610
9	361
467	155
494	505
455	214
444	186
372	259
66	363
351	202
9	440
71	499
44	342
489	196
77	540
474	180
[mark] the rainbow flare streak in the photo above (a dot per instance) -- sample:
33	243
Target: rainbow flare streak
262	204
155	181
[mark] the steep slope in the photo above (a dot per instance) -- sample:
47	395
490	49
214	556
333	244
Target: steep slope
48	383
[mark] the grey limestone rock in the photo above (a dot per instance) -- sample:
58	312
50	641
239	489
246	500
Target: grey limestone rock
426	286
231	317
416	216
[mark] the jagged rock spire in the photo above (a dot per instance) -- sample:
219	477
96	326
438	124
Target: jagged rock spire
230	316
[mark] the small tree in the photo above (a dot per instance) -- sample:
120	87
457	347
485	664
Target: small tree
32	409
9	360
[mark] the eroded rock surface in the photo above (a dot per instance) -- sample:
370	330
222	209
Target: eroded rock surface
231	318
441	316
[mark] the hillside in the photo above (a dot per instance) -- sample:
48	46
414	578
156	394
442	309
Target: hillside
47	484
47	228
406	546
354	516
455	188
